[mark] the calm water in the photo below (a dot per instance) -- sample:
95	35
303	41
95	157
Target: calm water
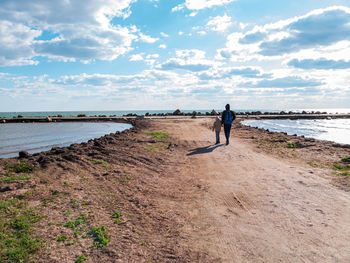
37	137
337	130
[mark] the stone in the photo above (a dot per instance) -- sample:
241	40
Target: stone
23	154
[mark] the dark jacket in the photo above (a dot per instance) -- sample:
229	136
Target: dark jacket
223	116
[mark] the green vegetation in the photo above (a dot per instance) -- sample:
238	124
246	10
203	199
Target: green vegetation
159	136
16	227
101	238
155	147
80	259
291	145
279	139
11	178
78	221
19	167
342	168
61	238
103	163
116	216
346	159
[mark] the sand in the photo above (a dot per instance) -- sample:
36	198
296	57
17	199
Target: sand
184	199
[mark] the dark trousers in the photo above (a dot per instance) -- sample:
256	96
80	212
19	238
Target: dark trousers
227	129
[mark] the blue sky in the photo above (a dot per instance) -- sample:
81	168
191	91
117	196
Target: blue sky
168	54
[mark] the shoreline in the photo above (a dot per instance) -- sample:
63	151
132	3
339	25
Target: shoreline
131	119
146	181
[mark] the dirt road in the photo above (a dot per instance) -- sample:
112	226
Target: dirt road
257	208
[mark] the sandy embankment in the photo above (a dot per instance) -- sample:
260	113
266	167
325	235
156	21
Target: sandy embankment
185	200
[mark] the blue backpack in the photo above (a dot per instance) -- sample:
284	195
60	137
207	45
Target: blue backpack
228	117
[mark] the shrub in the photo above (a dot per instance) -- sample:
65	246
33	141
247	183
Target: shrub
19	167
101	238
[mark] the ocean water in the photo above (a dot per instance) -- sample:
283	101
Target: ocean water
38	137
336	130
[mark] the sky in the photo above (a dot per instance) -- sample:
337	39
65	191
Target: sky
64	55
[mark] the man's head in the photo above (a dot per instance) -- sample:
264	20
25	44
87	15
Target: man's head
227	106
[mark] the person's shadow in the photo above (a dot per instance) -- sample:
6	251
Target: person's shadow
205	149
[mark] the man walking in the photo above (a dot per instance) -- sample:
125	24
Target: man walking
228	116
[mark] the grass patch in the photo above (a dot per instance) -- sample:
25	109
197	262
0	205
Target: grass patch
12	178
346	159
16	227
101	238
74	223
61	238
159	136
342	168
80	259
156	147
279	139
291	145
19	167
117	217
101	162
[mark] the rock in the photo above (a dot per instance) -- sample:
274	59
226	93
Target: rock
339	145
19	116
5	189
214	112
49	119
177	112
81	115
23	154
3	121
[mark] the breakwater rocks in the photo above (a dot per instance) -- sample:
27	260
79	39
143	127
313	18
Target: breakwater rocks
129	118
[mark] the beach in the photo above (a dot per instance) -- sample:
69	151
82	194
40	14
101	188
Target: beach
163	192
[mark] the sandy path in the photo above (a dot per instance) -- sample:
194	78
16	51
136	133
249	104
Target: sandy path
256	208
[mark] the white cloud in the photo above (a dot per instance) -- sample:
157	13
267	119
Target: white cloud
136	57
147	39
82	30
162	46
201	4
180	33
163	34
219	23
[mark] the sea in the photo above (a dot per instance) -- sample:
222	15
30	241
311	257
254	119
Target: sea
38	137
336	130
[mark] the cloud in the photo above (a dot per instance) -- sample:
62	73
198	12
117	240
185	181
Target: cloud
136	57
82	30
15	43
319	28
173	64
162	46
219	23
201	4
148	39
189	59
320	63
229	72
286	82
163	34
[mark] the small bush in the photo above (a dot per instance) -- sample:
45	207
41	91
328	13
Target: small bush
80	259
346	159
19	167
101	238
61	238
279	139
291	145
